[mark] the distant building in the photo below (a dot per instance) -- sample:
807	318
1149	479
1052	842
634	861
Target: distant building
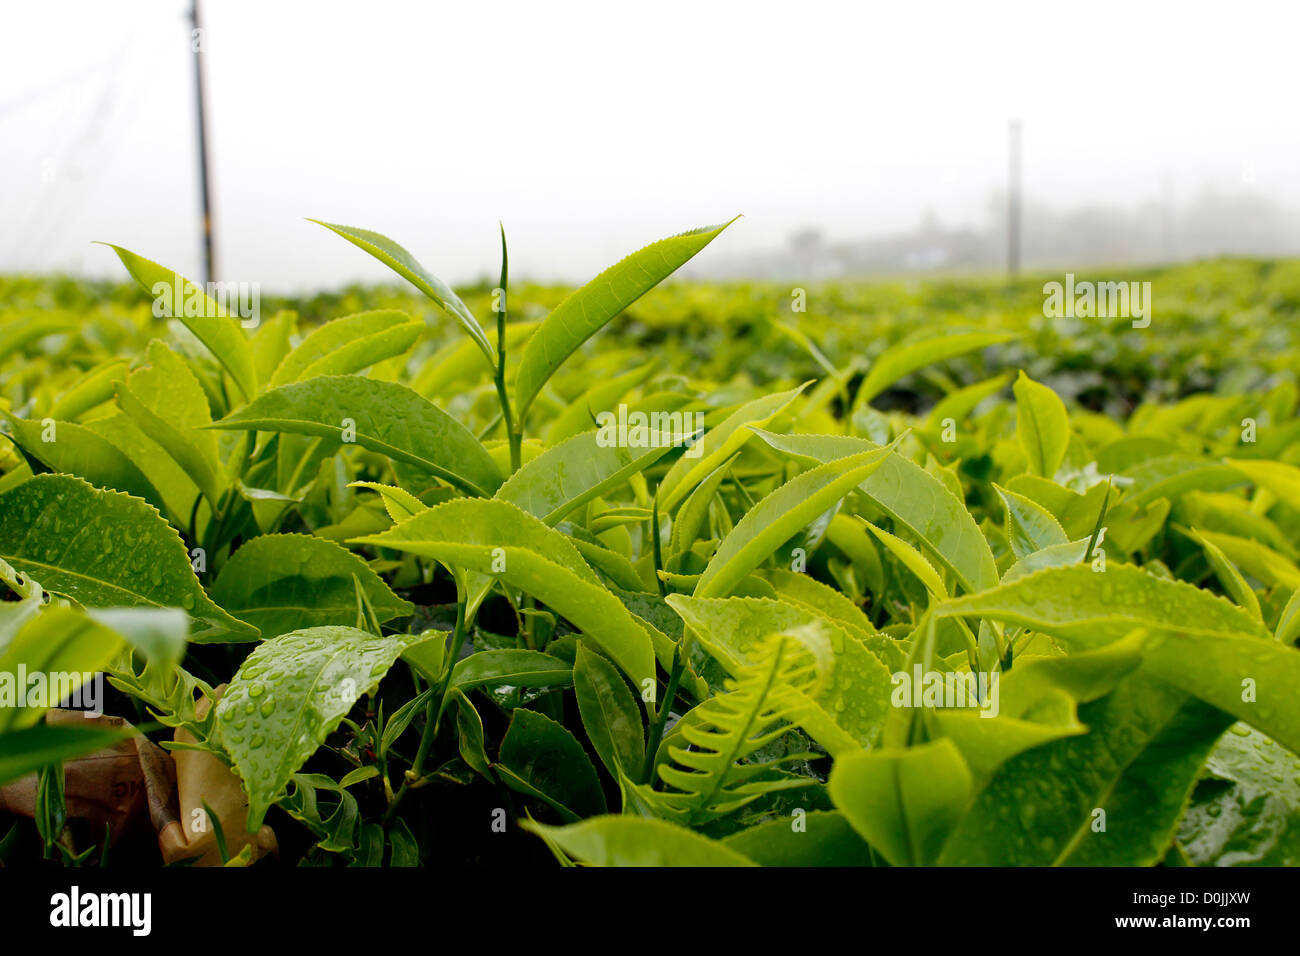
1214	224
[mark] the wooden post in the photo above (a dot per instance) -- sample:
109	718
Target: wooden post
197	46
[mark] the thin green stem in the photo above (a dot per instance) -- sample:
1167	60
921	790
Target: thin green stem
972	645
432	718
658	548
194	519
514	435
438	699
490	427
670	695
217	523
744	492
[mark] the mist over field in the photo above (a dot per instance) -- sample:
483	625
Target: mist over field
854	138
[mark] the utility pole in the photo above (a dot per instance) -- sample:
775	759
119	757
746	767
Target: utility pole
198	46
1013	202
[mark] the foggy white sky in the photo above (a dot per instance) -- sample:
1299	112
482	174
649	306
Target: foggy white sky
591	128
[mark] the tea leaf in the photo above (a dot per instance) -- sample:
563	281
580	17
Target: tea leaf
902	360
821	599
542	759
719	766
96	387
1210	648
272	342
610	714
825	839
912	497
586	311
1108	797
1278	477
694	512
399	504
1259	561
720	443
289	695
1030	527
1042	425
1032	705
1288	623
58	641
346	345
167	403
106	549
958	404
27	751
913	560
636	841
903	802
1177	474
780	515
287	582
79	450
1246	809
221	334
518	667
581	413
388	418
578	470
406	266
1229	576
853	700
495	539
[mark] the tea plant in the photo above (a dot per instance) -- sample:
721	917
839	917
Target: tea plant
439	601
